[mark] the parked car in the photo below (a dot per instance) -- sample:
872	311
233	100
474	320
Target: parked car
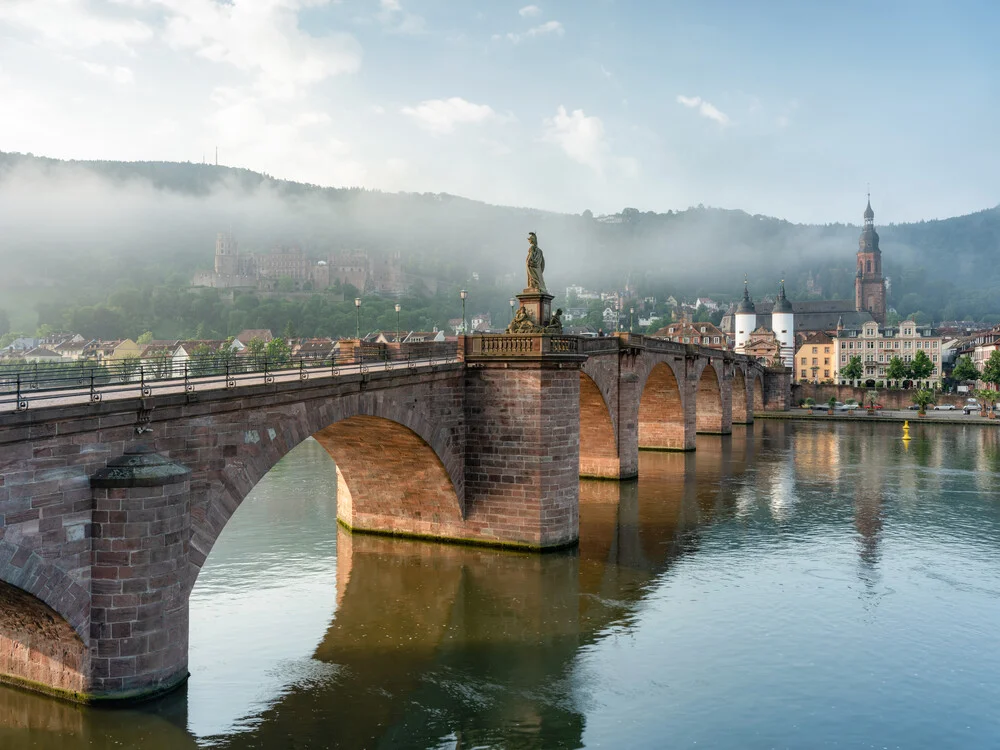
944	407
846	407
971	405
913	407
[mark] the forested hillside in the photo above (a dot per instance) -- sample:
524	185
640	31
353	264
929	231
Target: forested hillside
103	239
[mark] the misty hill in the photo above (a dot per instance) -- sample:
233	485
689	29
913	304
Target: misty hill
76	227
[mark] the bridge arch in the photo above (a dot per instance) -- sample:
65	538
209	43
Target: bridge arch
757	391
661	410
39	648
399	470
47	582
709	405
598	438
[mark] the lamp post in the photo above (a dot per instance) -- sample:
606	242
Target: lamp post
511	320
631	312
463	294
357	306
397	322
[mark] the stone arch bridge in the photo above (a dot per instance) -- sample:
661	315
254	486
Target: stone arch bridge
102	536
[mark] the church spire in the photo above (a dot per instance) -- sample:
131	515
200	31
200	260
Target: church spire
869	214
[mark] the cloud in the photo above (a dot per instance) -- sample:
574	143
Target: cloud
529	11
117	73
580	136
549	27
262	38
705	109
442	115
72	24
397	21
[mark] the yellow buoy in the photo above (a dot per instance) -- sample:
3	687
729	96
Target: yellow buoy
906	430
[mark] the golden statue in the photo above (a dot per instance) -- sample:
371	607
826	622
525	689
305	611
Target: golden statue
535	264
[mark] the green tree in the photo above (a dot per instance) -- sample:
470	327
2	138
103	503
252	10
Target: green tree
145	338
965	369
289	332
278	352
991	370
897	369
286	284
852	370
922	398
921	367
256	352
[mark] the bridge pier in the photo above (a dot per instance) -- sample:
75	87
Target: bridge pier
522	455
139	600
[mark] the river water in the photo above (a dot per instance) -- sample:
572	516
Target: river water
795	585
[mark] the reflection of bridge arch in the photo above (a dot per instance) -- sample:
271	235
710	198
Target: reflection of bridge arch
661	410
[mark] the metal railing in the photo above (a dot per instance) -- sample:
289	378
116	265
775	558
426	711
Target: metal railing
26	384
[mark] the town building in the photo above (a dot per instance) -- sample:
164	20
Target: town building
877	346
686	332
763	344
816	359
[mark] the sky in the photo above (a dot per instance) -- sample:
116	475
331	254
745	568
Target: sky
789	109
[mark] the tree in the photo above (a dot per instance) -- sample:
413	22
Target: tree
921	367
278	352
145	338
897	369
289	332
852	370
991	370
965	369
256	353
922	398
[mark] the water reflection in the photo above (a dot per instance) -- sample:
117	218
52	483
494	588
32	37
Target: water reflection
788	570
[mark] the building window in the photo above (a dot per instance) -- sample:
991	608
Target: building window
815	349
804	360
826	373
826	360
715	339
843	358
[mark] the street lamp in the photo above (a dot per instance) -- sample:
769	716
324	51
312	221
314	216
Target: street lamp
511	310
397	322
357	305
463	294
631	312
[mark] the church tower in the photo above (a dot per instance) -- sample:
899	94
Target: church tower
226	255
869	284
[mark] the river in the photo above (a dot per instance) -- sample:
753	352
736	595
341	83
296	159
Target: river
795	585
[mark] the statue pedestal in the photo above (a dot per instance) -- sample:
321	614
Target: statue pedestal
538	305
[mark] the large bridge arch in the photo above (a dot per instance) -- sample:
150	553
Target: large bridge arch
599	455
711	401
662	414
757	390
398	470
39	648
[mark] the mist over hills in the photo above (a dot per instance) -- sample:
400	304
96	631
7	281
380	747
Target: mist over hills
74	229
